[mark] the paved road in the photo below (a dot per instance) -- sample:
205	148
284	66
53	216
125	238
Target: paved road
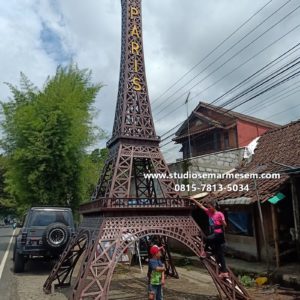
5	236
22	286
7	288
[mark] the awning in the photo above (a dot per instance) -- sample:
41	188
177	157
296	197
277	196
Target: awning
236	201
276	198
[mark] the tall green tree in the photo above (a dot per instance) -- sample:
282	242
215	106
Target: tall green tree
46	133
7	205
94	162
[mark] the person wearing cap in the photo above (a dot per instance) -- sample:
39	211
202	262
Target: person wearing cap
156	274
216	240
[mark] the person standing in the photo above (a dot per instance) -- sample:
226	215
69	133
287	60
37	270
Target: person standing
215	241
156	274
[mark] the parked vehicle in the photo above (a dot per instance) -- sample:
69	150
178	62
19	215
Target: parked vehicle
44	233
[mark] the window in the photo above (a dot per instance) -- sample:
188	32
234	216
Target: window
240	223
226	140
44	218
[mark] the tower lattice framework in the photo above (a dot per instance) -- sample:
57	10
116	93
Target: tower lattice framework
127	205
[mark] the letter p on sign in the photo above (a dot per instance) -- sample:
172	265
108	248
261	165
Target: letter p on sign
134	12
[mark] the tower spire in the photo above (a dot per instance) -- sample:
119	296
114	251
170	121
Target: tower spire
134	147
133	118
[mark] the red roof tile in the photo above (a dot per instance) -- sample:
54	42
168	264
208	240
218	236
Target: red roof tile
230	113
280	145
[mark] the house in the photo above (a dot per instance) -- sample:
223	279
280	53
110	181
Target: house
263	213
218	138
211	129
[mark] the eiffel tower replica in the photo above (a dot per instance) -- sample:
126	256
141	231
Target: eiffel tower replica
127	205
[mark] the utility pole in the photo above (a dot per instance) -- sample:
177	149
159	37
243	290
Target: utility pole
189	138
262	226
188	125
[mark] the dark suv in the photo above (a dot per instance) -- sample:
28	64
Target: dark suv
45	232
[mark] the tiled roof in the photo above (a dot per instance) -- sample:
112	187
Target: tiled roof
276	148
230	113
239	115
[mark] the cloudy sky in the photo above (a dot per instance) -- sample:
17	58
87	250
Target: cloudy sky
39	35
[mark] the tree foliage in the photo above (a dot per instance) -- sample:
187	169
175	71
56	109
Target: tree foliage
46	133
7	204
94	162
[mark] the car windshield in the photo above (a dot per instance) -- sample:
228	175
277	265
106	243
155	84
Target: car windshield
46	217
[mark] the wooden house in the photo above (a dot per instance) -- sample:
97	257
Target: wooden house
212	129
264	219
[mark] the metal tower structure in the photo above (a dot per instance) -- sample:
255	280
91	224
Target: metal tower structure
127	205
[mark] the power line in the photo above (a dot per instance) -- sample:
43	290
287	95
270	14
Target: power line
166	144
269	118
263	81
212	51
278	100
173	128
295	74
265	101
242	64
282	92
281	98
251	76
280	112
238	52
167	137
270	87
284	111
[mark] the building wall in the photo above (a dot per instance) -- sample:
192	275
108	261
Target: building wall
242	246
268	226
253	248
216	163
248	131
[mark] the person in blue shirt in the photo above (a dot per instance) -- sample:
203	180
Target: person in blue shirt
156	274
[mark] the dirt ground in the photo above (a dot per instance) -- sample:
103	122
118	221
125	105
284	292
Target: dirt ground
129	283
193	284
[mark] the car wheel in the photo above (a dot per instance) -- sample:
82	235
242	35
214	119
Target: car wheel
56	236
19	262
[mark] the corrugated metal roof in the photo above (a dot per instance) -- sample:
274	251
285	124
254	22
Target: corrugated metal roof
236	201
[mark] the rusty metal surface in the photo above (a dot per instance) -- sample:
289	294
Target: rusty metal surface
134	146
104	247
133	118
63	270
126	206
106	204
117	180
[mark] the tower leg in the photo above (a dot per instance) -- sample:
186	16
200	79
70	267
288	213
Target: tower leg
104	247
63	270
167	257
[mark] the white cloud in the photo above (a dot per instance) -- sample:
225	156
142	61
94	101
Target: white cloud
20	47
177	34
